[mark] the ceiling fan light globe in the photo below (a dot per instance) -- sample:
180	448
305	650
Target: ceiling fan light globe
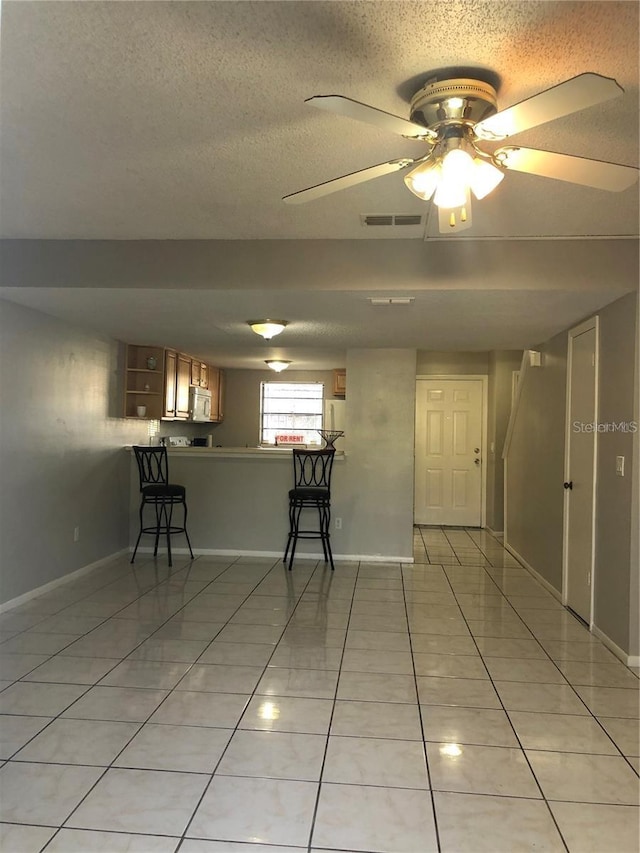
457	165
485	178
450	193
423	180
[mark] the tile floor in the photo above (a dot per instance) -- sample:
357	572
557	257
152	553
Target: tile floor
232	707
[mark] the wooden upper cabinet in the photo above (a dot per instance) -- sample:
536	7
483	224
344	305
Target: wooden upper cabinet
170	374
339	383
183	381
214	387
159	379
143	382
199	373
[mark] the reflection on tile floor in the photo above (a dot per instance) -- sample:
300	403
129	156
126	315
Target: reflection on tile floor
229	706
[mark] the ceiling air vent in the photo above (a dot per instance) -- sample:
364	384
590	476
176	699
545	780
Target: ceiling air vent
370	219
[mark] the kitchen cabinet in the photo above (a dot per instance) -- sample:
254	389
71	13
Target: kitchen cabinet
199	373
143	385
177	378
171	362
216	386
339	383
183	381
159	379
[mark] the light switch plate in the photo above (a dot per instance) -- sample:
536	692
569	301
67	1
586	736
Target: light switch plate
620	466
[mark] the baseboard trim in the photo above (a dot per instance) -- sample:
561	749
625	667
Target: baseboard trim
47	587
230	552
629	660
499	534
545	583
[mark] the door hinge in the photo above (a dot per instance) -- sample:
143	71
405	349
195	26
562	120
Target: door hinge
588	578
593	359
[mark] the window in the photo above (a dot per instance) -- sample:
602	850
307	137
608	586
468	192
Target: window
292	410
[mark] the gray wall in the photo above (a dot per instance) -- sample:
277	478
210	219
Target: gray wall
618	382
535	469
61	458
241	425
433	362
380	417
501	367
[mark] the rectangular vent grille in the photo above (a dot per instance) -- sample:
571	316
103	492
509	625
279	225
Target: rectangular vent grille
390	219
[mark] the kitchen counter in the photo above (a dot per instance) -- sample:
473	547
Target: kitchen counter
237	452
238	500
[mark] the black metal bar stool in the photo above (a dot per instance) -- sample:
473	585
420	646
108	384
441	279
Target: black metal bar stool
311	490
163	496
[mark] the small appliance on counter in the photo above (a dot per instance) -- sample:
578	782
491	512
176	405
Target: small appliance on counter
177	441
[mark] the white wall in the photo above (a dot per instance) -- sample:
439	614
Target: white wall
61	459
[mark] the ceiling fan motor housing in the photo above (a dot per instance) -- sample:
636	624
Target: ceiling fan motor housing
462	101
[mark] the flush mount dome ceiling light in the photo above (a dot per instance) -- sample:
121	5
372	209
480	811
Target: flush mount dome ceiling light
454	118
277	364
267	328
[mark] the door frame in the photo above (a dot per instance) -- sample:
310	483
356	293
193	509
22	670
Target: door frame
465	377
585	326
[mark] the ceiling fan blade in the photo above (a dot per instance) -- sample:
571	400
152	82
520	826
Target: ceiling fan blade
345	181
565	167
371	115
585	90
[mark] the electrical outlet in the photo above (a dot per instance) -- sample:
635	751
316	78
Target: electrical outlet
76	534
338	524
620	466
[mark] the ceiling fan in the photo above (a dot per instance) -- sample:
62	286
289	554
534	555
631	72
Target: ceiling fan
454	117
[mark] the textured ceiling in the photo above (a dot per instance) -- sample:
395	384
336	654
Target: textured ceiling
187	120
140	121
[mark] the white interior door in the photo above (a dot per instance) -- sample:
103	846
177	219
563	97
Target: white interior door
580	469
448	456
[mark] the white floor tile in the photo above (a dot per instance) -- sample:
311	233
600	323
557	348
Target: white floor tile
274	755
480	770
383	820
43	793
373	761
468	823
200	640
18	838
287	714
16	731
145	801
192	749
596	828
79	742
585	778
85	840
273	811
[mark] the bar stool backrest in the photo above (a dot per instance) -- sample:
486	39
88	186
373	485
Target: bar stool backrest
312	468
153	465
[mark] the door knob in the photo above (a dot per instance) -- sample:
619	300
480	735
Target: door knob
568	485
476	461
476	450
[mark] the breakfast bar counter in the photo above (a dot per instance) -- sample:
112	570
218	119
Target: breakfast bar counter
238	500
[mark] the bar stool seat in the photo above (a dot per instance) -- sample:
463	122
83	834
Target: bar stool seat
163	496
312	490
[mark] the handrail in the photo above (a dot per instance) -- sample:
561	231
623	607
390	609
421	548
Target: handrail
524	369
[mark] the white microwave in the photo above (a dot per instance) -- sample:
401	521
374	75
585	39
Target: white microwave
199	404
